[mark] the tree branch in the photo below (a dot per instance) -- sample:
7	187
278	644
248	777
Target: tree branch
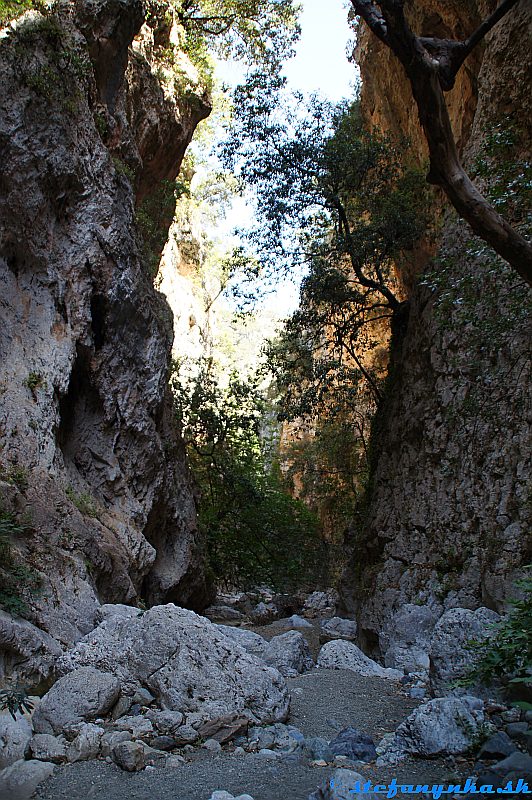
425	76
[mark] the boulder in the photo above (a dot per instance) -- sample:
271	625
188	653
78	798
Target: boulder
518	766
338	628
14	738
184	735
87	743
137	726
222	795
405	638
45	747
275	737
84	694
166	722
340	654
20	780
185	662
225	728
444	726
289	653
129	756
223	613
212	745
343	784
321	604
497	746
263	613
450	656
317	749
295	621
111	739
251	642
354	744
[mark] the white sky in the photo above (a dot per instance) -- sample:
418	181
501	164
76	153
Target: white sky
320	65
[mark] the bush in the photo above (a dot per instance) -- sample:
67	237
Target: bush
506	657
16	579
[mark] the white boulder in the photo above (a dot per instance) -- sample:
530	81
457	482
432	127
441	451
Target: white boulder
80	696
340	654
450	654
185	662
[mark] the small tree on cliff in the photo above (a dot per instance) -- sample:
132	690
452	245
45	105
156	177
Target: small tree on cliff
431	65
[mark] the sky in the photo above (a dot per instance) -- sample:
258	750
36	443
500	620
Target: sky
320	65
321	62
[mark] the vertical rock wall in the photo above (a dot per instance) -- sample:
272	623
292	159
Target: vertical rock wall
449	505
93	467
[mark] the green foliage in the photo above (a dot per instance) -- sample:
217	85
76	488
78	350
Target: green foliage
17	476
11	9
61	76
15	701
335	203
123	169
35	381
255	531
258	31
506	656
16	579
154	216
84	502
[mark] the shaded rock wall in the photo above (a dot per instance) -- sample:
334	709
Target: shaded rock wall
449	512
89	451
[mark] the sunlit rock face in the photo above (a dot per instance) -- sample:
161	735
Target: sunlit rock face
448	516
187	287
90	451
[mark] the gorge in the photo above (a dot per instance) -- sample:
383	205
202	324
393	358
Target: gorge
141	616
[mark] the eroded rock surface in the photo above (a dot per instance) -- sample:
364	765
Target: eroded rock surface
184	661
451	654
85	339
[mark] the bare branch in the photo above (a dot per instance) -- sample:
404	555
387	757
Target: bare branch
430	66
373	18
451	54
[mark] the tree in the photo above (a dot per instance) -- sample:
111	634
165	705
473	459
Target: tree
255	531
335	201
431	65
259	31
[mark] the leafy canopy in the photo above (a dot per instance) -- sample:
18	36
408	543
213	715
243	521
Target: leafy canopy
256	31
254	530
337	202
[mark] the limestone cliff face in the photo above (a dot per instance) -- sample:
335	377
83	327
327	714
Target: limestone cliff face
91	460
449	519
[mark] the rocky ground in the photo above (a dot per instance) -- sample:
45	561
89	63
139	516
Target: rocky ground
256	702
323	702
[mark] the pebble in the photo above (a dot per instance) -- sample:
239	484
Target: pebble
212	745
268	754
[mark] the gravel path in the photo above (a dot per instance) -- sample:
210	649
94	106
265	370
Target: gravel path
323	701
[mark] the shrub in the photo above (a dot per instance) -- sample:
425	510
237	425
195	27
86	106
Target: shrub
506	656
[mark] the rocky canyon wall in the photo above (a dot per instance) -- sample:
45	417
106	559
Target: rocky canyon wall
95	496
448	521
